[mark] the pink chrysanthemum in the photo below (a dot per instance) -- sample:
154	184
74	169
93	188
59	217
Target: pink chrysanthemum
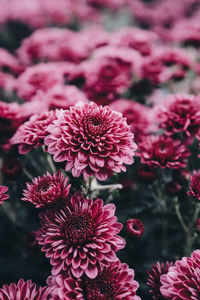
164	152
154	278
195	185
81	237
134	227
93	140
182	282
40	77
114	282
136	114
3	196
31	134
47	190
180	112
24	290
106	77
63	96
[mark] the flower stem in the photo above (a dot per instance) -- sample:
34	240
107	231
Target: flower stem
179	216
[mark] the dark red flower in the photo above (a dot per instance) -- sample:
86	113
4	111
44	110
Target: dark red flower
172	188
47	190
154	278
115	281
80	238
93	140
134	227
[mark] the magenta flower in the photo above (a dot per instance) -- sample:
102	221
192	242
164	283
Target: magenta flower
47	190
180	112
114	282
93	140
24	290
134	227
136	114
64	96
182	280
154	278
31	134
82	237
3	196
195	185
40	77
164	152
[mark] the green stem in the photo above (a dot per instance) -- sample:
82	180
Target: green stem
51	164
179	216
27	174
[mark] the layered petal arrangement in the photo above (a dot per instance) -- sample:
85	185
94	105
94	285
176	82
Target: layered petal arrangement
180	112
182	280
164	152
80	238
93	140
24	290
31	134
47	190
114	282
154	278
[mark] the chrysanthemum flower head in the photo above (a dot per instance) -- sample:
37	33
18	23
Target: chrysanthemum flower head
195	185
136	114
180	112
80	238
134	227
93	140
3	196
114	282
24	290
47	190
31	134
182	280
164	152
154	278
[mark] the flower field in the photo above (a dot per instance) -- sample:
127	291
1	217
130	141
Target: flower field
99	149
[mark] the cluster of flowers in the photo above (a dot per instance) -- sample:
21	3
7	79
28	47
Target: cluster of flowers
176	281
92	100
79	235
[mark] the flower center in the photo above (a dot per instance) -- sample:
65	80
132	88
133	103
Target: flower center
43	186
94	126
162	151
78	229
100	288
